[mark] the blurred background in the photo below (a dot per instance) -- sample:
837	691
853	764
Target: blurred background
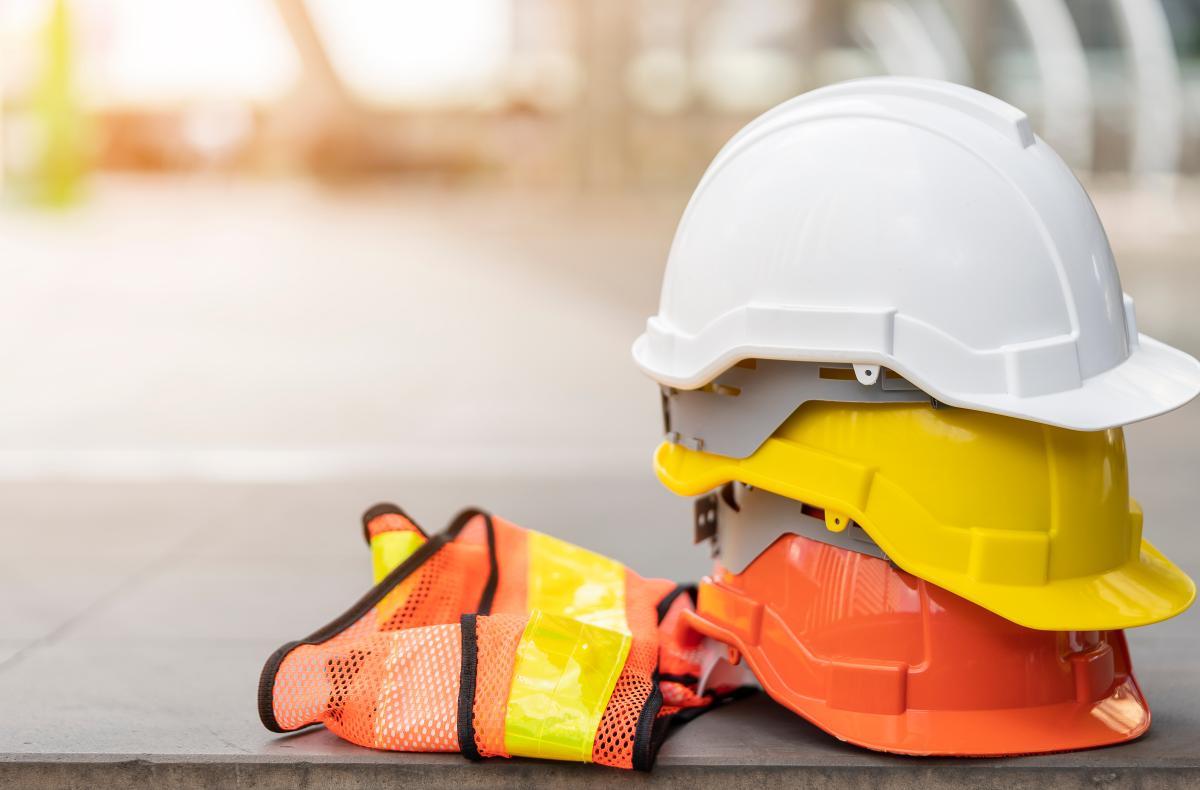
265	262
289	240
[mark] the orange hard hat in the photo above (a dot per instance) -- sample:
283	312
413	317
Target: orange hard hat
882	659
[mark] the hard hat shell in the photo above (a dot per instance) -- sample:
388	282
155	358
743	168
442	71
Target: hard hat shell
922	226
1032	522
884	660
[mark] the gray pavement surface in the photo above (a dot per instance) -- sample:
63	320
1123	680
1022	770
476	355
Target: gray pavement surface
235	329
136	618
207	380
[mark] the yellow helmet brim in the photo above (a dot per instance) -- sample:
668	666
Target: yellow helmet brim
1004	571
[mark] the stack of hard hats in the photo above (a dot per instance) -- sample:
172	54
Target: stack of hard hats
895	360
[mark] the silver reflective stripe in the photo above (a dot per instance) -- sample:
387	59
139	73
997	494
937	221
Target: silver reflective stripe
740	409
762	517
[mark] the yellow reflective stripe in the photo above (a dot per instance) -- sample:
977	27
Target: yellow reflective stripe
577	583
571	652
389	549
563	676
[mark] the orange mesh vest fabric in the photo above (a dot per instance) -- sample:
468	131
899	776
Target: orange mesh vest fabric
425	660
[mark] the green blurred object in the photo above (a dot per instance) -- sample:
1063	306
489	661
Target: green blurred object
58	174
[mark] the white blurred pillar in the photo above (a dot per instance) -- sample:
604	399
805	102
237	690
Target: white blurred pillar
1157	99
1066	116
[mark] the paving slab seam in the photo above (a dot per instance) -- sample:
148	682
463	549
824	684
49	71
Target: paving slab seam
150	570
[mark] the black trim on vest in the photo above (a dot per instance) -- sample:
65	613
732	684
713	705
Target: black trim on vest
384	509
689	714
266	681
489	589
646	739
653	729
663	726
664	605
466	688
645	745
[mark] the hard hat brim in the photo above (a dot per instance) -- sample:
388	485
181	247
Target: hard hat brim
1153	380
1147	589
1120	716
883	660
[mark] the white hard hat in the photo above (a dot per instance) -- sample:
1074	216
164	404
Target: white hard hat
921	226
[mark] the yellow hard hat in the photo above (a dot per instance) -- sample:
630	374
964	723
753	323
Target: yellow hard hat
1030	521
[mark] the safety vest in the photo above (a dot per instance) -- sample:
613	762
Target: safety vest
496	641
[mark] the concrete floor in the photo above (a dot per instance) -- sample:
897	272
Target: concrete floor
277	331
280	331
205	384
139	615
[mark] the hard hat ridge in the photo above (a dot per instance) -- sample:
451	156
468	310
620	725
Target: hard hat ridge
920	226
